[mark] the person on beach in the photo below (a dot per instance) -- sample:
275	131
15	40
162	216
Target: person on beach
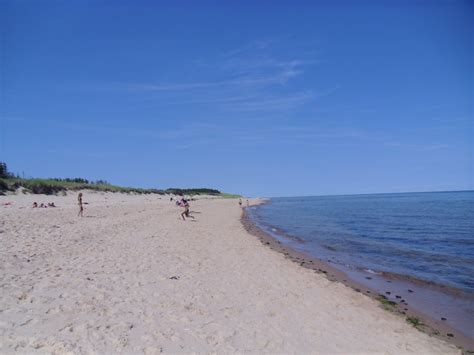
81	207
247	203
186	212
240	202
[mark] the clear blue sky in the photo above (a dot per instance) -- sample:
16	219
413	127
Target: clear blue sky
264	98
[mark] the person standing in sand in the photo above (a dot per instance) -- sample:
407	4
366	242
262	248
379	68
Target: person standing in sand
81	206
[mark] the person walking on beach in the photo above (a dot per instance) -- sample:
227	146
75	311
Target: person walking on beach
240	202
81	206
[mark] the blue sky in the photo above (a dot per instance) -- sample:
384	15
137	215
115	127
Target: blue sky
264	98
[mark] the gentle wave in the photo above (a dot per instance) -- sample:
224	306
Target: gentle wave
428	236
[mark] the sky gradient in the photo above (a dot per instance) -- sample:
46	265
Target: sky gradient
264	98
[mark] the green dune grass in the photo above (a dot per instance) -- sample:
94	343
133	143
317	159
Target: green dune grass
55	186
10	182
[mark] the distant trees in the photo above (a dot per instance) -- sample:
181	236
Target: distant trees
75	180
4	173
200	191
82	181
3	170
10	182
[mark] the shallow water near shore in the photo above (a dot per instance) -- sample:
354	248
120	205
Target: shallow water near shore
422	242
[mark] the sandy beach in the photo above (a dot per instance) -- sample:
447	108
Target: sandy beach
132	277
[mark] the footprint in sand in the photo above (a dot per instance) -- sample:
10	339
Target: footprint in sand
152	350
54	310
23	296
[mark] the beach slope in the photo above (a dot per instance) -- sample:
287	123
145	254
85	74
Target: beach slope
131	276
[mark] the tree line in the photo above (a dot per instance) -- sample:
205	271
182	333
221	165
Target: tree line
11	182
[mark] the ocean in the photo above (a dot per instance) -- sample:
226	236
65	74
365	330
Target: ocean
424	236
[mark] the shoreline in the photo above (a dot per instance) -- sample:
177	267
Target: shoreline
389	300
132	277
446	289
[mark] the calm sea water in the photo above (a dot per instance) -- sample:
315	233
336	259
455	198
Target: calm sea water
429	236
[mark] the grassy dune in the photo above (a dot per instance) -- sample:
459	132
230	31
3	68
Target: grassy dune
54	186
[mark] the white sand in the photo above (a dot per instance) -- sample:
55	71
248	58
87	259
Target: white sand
102	284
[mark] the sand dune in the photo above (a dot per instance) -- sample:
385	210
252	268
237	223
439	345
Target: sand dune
132	277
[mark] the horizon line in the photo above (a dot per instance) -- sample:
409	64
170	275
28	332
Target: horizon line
372	193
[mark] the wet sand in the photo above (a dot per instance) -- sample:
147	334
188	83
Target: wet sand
445	313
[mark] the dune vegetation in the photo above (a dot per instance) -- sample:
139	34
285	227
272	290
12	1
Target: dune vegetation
50	186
